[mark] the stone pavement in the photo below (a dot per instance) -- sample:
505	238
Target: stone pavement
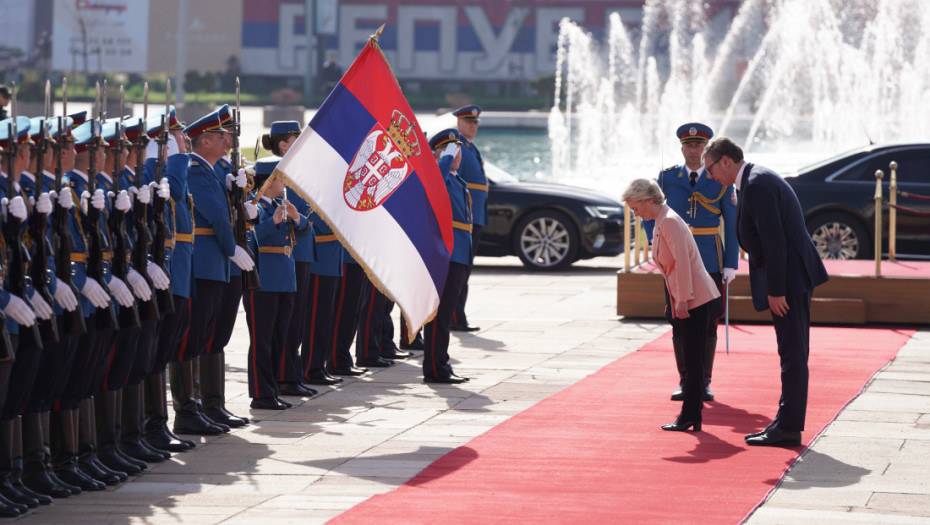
540	333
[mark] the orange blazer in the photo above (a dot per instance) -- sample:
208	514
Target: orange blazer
676	254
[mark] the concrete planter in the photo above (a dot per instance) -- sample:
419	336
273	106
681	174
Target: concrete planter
276	113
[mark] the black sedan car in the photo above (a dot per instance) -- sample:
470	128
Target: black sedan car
548	226
837	196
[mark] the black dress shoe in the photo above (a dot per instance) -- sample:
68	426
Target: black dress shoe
267	403
451	380
287	404
679	395
376	362
708	394
464	328
42	497
775	437
295	389
348	371
41	481
416	344
759	433
396	353
194	424
222	418
322	378
682	426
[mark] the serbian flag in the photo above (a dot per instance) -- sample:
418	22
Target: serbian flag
365	166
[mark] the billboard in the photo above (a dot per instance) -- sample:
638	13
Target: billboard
100	35
424	39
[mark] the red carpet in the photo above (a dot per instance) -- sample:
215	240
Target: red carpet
594	452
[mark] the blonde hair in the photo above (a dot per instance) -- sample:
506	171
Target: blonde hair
643	190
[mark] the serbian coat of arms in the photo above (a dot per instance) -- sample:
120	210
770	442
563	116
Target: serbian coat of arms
380	164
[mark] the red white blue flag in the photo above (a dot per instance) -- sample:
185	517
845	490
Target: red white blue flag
365	166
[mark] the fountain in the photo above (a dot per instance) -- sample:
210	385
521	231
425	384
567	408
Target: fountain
792	81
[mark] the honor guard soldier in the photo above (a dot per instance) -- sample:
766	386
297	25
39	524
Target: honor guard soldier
471	171
447	146
214	246
213	359
279	140
348	297
268	309
705	205
57	358
166	163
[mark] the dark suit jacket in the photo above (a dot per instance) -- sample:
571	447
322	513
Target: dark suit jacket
770	227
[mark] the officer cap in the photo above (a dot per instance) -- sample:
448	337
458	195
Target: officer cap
285	127
173	122
225	116
446	136
82	135
471	112
131	127
210	122
694	132
22	131
110	132
36	124
78	118
264	167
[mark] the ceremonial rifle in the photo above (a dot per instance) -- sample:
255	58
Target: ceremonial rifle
128	315
38	230
19	256
240	217
106	317
140	212
165	299
62	243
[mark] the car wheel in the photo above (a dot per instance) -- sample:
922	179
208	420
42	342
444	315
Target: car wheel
546	240
839	236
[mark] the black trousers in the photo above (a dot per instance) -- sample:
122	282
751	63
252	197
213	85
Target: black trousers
387	329
348	297
172	340
371	322
22	377
712	322
436	333
291	369
318	331
120	358
458	316
404	338
88	367
268	315
225	320
694	336
793	335
145	353
54	370
205	309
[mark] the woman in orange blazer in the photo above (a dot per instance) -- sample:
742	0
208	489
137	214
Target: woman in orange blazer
693	295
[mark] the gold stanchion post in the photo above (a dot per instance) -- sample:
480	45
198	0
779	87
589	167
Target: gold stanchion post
636	241
892	212
879	175
628	220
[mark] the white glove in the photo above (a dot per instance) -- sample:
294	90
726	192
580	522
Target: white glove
17	207
64	296
44	205
98	200
728	275
239	179
251	209
144	194
122	202
65	199
451	150
95	293
42	309
120	292
164	189
140	288
159	279
242	260
20	312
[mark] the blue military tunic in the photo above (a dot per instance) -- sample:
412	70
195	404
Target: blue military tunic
275	248
702	207
79	184
305	249
459	198
471	170
214	242
179	247
329	251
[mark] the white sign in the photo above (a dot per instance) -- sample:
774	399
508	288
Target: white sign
100	35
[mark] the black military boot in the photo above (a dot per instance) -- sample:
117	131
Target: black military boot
106	407
187	417
37	472
130	435
155	428
87	446
10	492
213	387
64	455
16	477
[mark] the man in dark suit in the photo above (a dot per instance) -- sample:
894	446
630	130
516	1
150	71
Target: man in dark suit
784	268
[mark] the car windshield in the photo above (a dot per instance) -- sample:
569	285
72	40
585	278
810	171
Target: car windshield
496	174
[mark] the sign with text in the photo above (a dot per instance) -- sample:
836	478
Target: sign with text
100	35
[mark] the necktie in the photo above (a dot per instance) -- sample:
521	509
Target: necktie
693	178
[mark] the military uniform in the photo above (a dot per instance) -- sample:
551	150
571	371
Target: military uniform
436	367
325	276
471	171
